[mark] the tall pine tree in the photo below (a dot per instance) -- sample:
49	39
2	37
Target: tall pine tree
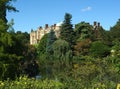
67	32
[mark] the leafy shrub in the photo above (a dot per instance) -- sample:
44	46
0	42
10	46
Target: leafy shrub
27	83
99	49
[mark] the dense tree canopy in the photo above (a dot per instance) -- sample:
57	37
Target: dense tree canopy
4	6
51	39
115	31
66	31
83	30
99	49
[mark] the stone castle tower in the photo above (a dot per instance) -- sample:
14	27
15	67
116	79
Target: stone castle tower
35	36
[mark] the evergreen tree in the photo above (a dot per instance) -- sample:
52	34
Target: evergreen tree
8	56
51	39
4	6
5	38
66	32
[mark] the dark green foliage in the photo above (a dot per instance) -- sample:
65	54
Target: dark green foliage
102	35
115	31
10	55
61	50
4	6
99	49
30	52
23	37
82	47
41	48
28	65
10	64
42	54
30	68
66	31
83	30
51	39
3	26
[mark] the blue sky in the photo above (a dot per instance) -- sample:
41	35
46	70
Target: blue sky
35	13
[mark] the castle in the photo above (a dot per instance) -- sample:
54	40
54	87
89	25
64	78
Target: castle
35	36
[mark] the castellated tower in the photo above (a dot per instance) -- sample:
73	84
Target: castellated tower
35	36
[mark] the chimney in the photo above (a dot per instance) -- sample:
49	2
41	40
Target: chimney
54	26
99	24
95	23
46	26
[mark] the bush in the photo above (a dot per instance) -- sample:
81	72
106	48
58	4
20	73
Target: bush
30	83
99	49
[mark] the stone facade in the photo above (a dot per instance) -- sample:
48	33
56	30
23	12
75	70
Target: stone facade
35	36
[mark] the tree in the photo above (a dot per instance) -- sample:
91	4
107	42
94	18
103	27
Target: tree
83	30
23	37
51	39
61	50
41	48
66	31
5	37
99	49
8	57
4	6
62	56
42	54
82	47
115	31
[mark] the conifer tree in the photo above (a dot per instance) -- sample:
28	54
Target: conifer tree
8	55
4	6
67	32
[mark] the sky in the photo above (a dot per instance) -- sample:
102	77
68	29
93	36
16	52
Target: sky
35	13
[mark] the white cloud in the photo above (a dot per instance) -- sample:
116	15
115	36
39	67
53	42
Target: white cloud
86	9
